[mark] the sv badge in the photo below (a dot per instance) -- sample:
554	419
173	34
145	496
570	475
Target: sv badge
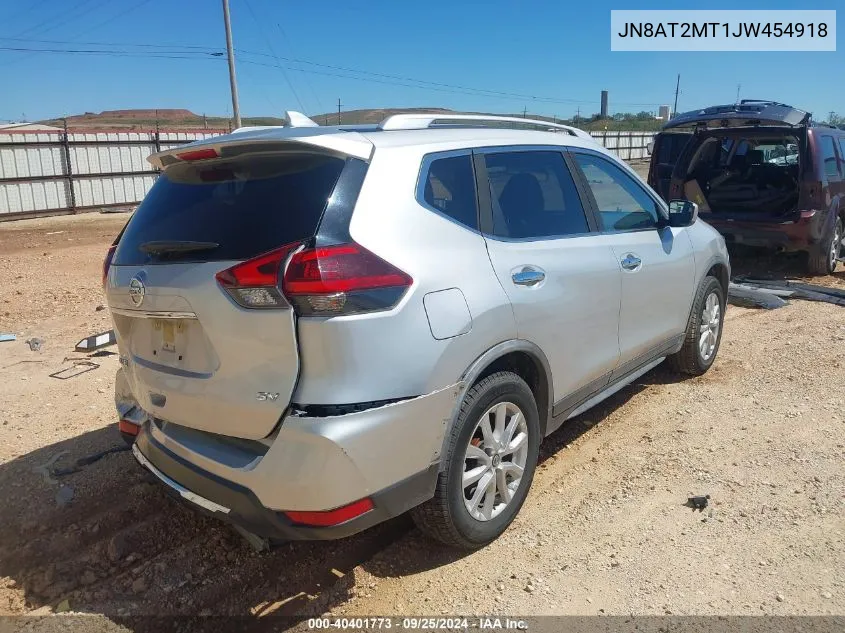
266	396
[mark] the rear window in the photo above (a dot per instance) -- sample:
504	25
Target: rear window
831	167
245	206
450	188
669	147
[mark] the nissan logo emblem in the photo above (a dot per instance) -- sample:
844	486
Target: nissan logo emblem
136	291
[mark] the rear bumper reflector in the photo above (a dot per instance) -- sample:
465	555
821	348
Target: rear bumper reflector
326	518
130	428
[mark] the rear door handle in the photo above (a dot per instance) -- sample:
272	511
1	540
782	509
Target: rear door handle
631	262
528	276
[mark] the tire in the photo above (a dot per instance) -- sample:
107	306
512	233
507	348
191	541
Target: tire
691	359
446	517
822	260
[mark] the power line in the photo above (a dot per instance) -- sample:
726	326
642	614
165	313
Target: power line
93	28
293	52
199	52
467	90
273	51
29	9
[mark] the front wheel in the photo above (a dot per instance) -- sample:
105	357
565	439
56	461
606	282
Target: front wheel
704	330
489	467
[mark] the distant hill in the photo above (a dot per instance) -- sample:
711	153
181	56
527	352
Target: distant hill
148	119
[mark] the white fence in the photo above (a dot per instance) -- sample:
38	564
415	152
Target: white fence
627	145
50	173
53	173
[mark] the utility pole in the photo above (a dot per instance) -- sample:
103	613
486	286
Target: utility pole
677	90
236	111
738	86
338	110
578	114
524	112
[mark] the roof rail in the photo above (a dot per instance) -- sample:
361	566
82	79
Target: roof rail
425	121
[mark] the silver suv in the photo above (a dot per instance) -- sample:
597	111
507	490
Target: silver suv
321	328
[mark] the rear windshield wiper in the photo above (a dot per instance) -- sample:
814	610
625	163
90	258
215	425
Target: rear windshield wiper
162	247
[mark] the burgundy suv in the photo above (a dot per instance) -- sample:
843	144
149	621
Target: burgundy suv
763	174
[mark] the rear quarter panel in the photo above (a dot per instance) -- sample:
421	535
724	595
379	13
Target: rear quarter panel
394	354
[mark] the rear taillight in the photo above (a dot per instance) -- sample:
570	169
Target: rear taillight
255	283
342	279
325	281
107	262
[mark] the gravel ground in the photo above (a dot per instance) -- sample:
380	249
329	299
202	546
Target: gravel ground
604	529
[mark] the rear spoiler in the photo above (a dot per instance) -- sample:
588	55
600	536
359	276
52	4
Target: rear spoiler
268	139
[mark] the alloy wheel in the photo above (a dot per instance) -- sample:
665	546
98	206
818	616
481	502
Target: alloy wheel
495	460
710	324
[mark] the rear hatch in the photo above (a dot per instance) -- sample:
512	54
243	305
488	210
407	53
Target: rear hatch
195	354
667	148
747	112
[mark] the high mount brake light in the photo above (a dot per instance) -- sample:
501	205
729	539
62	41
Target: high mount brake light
324	281
198	154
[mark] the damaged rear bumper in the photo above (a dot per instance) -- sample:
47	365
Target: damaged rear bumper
798	235
388	454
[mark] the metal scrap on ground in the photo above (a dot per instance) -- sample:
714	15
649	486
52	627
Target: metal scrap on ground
96	341
770	294
7	337
747	296
79	367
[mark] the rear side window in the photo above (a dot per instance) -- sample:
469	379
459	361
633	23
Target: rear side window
450	188
831	167
246	206
623	205
670	146
533	195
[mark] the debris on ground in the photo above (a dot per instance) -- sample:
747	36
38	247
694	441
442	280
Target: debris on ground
96	341
698	502
258	543
64	496
786	289
80	463
45	468
79	367
747	296
7	337
35	343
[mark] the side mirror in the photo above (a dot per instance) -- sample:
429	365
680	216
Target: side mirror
649	148
682	213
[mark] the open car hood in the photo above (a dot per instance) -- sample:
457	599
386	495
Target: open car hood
746	113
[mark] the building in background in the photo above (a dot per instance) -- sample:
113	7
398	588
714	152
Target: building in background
604	104
663	113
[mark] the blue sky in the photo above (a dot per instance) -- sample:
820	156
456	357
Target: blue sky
558	52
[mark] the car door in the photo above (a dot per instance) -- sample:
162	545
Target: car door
560	275
656	262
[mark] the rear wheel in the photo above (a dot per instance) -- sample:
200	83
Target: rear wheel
822	261
490	463
704	330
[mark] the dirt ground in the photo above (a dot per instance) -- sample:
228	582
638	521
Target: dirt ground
604	529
